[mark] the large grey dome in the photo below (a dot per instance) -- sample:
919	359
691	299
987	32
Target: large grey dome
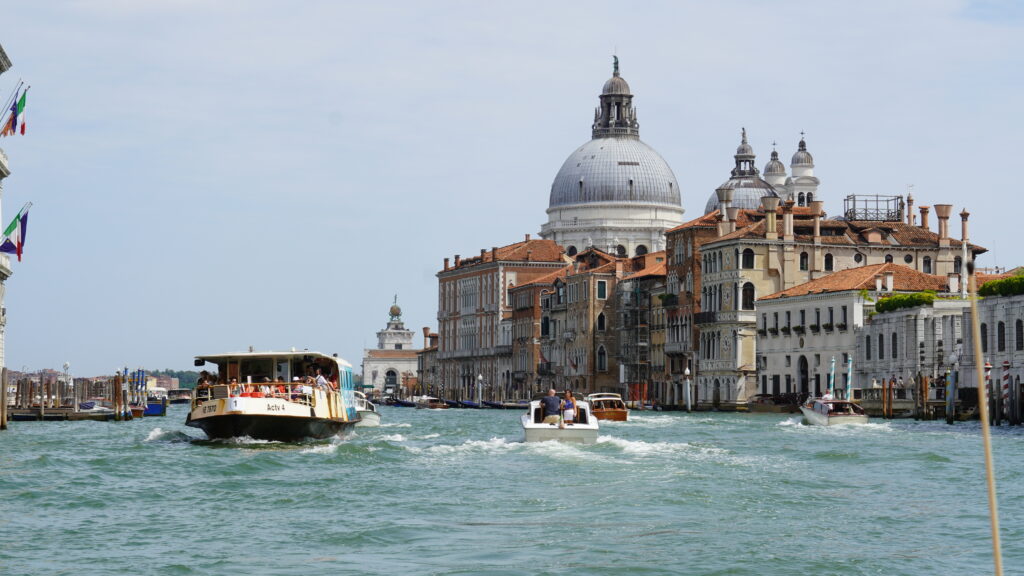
615	170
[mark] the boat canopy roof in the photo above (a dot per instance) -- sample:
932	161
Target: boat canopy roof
287	354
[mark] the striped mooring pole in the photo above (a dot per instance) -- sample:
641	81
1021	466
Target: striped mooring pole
1006	390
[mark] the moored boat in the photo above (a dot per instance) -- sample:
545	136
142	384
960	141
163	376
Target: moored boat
310	396
180	396
608	406
826	412
156	402
582	430
368	415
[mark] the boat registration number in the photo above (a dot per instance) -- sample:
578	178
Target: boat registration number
209	409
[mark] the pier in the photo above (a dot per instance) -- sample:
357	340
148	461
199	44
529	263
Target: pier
55	399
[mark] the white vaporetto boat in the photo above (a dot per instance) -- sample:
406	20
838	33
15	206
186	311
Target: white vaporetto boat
583	430
368	415
821	412
274	396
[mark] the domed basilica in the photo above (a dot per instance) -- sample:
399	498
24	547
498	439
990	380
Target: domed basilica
614	193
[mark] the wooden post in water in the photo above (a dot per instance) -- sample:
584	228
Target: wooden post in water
3	399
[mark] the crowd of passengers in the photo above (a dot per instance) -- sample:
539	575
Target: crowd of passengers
268	388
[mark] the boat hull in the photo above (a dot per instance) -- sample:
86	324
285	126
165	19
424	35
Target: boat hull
578	433
273	428
818	419
368	419
613	415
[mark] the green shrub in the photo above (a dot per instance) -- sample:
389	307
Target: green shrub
898	301
1005	287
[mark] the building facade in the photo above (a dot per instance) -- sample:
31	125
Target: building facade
391	367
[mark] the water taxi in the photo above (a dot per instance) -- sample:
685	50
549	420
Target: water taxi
608	406
368	415
582	430
823	412
281	396
430	402
156	402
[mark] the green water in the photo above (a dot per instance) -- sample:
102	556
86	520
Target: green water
458	492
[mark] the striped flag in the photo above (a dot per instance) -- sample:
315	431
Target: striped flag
13	241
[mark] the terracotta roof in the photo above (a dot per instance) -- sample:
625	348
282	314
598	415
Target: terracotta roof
548	278
658	269
533	250
377	353
863	278
980	278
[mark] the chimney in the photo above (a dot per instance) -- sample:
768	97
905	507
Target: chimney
787	219
494	253
943	212
924	217
724	199
734	214
910	210
888	281
426	336
769	204
963	225
953	282
482	254
445	263
458	260
618	268
529	254
527	237
878	283
818	207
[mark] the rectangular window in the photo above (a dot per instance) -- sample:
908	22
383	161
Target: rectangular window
817	316
842	314
803	317
602	290
831	316
776	317
789	362
787	319
764	321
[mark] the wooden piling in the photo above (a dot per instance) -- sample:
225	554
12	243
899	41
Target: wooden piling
3	399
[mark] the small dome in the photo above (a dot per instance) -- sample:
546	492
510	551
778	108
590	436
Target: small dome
802	157
616	85
774	167
395	310
747	193
744	149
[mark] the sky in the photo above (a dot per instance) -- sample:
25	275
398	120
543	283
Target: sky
209	176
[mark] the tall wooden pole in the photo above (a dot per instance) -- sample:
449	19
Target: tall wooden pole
3	399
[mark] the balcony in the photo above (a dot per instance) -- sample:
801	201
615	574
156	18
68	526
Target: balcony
705	317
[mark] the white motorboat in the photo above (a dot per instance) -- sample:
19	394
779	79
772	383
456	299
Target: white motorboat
368	415
583	429
275	396
822	412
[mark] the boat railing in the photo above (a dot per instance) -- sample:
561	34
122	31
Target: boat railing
298	394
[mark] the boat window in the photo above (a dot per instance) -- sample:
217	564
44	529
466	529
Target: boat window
256	368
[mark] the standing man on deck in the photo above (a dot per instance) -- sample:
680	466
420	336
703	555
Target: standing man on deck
552	408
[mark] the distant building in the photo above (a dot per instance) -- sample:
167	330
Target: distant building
5	260
393	363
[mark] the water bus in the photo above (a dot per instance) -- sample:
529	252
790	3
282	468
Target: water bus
282	396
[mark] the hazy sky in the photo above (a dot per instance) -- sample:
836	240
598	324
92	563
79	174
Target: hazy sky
208	176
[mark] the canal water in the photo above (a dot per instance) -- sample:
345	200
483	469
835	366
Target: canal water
458	492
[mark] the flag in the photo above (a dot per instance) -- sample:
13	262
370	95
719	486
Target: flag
20	109
13	240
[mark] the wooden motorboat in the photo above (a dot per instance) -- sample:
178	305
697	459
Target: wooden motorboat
291	408
775	404
431	403
825	412
608	406
368	415
583	430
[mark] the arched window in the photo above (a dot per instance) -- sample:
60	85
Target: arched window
602	360
829	265
571	251
984	337
620	250
881	346
748	259
600	322
804	261
641	250
1020	335
801	200
867	347
895	347
810	198
391	380
888	258
1001	337
748	296
926	264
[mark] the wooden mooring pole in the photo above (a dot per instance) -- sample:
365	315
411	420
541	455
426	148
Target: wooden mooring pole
3	399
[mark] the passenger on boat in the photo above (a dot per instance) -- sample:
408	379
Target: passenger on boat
552	405
321	381
568	409
827	395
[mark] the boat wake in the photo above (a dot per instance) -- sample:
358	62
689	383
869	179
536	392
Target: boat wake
494	445
160	435
644	420
640	447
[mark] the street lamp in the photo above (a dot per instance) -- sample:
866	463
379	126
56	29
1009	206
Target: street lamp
686	376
